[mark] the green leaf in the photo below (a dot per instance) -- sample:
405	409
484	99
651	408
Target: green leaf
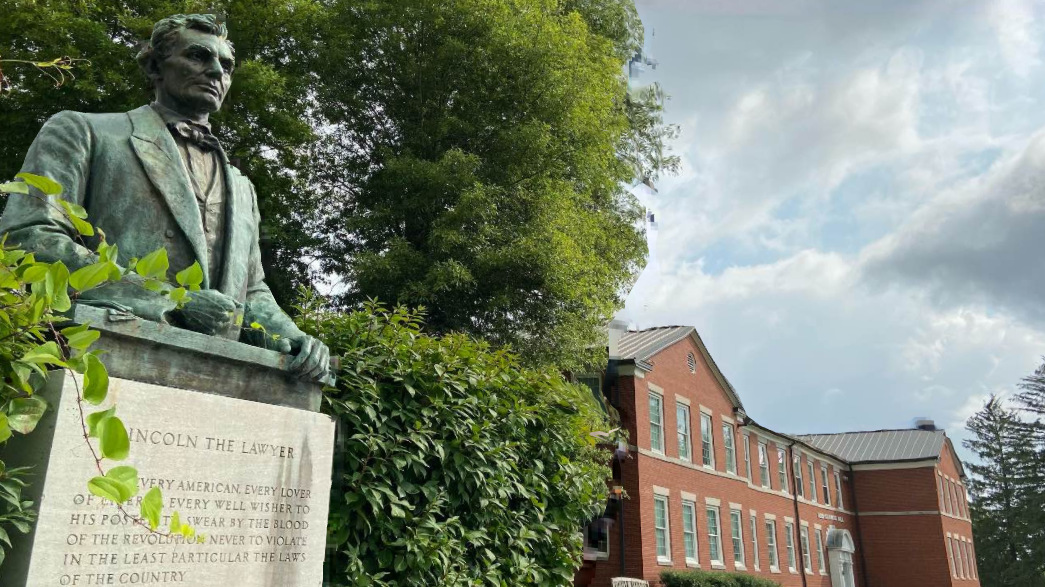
82	340
24	413
45	354
191	277
128	476
109	489
95	419
153	285
73	212
4	537
5	428
71	330
46	185
90	276
152	505
14	187
153	265
95	381
113	442
35	273
58	287
178	295
175	523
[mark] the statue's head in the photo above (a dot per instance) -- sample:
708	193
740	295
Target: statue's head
189	62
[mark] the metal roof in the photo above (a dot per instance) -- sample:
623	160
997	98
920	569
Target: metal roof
640	346
880	445
643	344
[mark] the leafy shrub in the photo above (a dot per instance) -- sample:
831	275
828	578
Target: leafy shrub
461	468
713	579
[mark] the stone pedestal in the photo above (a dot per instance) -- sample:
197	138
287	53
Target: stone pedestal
235	443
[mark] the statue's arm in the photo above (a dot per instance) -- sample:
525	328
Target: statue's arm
261	306
62	152
37	223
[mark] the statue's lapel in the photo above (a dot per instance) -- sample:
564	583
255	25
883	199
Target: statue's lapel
162	162
238	231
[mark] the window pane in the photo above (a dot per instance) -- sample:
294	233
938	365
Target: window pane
707	452
838	490
812	479
682	419
781	473
820	551
660	524
789	541
823	484
763	464
714	536
807	558
754	539
796	466
656	426
731	449
689	529
774	559
738	536
747	456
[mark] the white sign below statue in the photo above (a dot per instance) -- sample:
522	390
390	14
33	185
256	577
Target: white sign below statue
252	478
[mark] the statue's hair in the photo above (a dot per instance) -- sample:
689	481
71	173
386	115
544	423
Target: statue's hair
165	32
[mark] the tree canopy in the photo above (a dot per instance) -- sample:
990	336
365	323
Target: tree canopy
470	156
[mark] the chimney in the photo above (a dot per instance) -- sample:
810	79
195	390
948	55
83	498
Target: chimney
616	329
924	423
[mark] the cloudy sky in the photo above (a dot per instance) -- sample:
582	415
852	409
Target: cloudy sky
859	226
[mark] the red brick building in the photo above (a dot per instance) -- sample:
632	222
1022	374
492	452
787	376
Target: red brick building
708	487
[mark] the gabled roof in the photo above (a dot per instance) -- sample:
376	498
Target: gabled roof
880	446
640	347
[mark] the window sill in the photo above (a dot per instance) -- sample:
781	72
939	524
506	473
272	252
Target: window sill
740	566
793	571
718	566
774	569
692	564
809	572
664	563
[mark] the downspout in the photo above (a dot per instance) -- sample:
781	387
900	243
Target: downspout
798	517
859	528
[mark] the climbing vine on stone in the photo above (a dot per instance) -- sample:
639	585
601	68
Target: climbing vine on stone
36	338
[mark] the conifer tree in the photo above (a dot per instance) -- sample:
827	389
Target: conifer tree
1002	488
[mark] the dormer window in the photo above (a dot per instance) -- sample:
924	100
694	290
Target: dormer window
692	361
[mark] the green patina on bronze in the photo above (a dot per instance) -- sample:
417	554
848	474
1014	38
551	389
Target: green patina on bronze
134	174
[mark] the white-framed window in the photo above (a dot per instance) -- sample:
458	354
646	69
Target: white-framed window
661	528
731	449
736	522
682	423
954	500
689	530
774	557
781	472
943	495
807	557
747	455
958	557
968	560
796	466
950	557
754	541
656	422
714	535
838	490
820	550
972	561
707	443
691	361
812	480
823	484
763	464
789	542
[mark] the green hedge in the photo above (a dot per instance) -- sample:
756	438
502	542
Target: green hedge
461	468
713	579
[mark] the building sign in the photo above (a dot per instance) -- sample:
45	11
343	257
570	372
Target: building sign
831	517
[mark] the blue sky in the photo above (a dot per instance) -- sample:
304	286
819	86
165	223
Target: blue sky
858	230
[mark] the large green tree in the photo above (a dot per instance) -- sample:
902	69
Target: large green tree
476	152
468	156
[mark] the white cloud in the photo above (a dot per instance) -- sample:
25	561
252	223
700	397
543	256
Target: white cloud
1015	23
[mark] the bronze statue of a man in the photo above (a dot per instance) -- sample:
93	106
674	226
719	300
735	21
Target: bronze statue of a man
156	177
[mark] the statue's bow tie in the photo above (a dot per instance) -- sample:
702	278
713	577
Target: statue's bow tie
196	134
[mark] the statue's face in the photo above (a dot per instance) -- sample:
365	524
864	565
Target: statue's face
195	77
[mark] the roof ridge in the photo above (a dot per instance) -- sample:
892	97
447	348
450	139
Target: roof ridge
869	431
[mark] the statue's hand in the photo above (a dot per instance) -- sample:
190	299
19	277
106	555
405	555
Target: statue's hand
208	311
311	357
